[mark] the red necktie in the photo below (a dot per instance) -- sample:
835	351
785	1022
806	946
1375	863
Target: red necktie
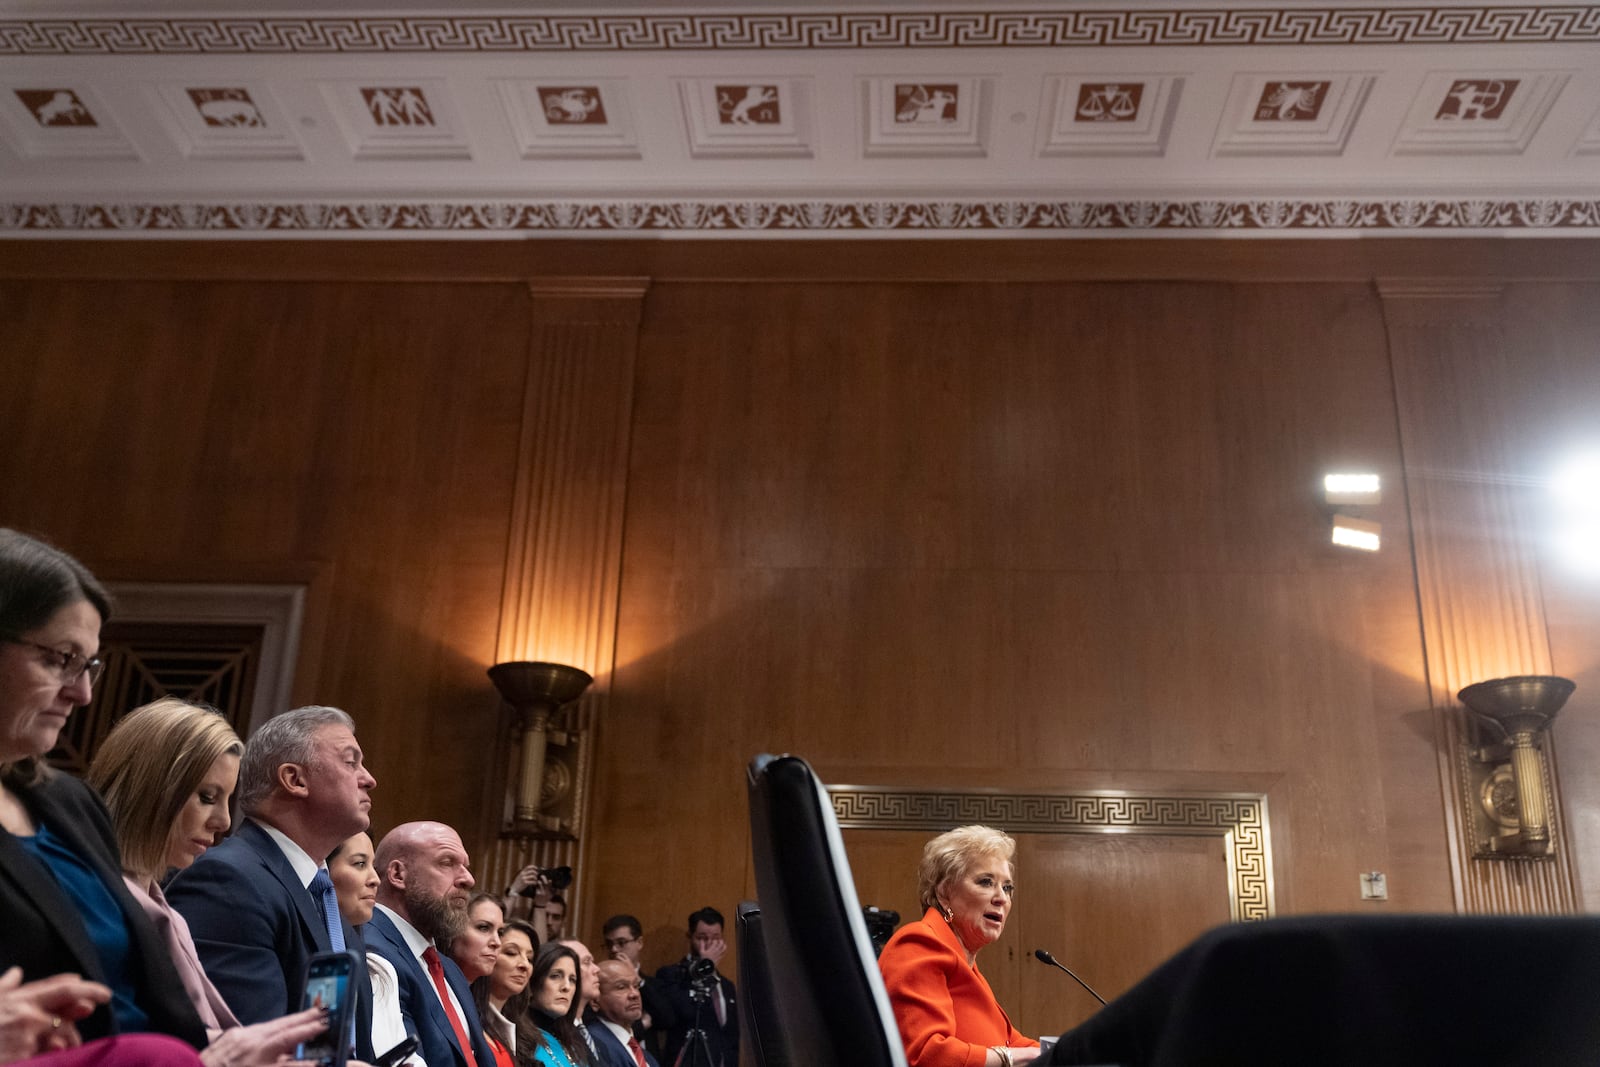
430	956
638	1053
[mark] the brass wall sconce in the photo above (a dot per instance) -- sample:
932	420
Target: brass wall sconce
536	691
1508	789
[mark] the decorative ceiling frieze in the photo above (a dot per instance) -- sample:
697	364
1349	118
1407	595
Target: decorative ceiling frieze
1122	218
144	119
1133	26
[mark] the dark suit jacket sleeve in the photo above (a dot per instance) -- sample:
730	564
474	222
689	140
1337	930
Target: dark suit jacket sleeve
247	934
43	933
612	1052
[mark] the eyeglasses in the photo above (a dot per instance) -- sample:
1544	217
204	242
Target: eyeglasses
615	943
70	665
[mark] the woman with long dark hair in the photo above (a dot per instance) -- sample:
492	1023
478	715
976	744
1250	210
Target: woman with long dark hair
553	1008
502	996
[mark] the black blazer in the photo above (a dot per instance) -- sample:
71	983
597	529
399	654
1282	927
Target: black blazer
43	933
256	927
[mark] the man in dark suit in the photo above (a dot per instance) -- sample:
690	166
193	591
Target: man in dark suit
260	904
624	937
717	1014
617	1010
422	903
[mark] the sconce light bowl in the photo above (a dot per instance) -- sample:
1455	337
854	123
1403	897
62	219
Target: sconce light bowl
1508	777
1522	704
526	684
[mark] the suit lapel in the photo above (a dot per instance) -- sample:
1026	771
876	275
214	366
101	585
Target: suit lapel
438	1020
278	865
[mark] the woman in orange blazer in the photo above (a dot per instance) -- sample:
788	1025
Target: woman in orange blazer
947	1014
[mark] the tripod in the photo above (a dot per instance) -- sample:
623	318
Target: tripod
696	1050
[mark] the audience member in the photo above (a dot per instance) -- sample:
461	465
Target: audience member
555	918
588	990
553	1008
37	1028
624	939
422	900
529	895
502	996
261	904
618	1009
716	1015
64	907
166	771
355	882
477	947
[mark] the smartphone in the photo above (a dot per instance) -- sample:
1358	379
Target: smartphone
330	985
398	1053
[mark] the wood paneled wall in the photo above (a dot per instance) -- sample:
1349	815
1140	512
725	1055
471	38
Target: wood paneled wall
362	438
1026	534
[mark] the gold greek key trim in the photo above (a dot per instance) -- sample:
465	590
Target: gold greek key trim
1239	819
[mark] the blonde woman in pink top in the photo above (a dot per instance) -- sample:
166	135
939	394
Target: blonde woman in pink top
166	771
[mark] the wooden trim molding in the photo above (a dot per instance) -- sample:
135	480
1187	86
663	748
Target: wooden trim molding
1479	593
1239	820
277	609
564	560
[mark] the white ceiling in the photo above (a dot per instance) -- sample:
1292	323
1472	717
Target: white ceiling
150	120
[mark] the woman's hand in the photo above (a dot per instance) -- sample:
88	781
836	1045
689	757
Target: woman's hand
264	1043
38	1017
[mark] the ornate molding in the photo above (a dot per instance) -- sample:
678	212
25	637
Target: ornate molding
364	218
1239	819
444	33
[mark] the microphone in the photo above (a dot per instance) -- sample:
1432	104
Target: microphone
1044	957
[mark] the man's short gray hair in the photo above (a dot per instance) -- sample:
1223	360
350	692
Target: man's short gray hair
286	738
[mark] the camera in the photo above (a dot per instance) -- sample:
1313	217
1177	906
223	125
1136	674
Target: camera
558	877
702	975
880	926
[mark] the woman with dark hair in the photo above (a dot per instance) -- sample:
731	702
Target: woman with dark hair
553	1008
502	995
355	884
63	904
476	948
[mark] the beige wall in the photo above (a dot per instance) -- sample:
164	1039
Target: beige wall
999	525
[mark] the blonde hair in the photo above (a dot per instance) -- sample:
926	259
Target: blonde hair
154	757
955	852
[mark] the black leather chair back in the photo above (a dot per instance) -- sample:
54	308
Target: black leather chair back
762	1038
827	990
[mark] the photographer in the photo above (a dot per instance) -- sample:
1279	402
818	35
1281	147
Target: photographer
695	993
535	894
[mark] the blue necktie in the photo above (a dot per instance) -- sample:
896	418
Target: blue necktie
321	888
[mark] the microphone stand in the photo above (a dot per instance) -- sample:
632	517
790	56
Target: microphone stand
1044	957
